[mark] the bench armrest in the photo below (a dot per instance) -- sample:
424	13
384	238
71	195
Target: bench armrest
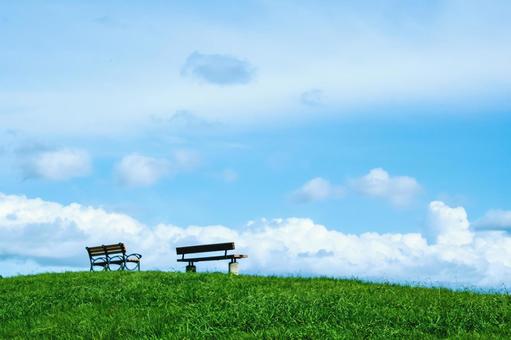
138	256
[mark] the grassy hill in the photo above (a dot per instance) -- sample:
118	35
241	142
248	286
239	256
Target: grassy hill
179	305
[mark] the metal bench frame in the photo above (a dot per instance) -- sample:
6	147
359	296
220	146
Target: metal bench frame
113	257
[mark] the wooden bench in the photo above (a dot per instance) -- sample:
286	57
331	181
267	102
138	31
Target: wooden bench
204	248
113	257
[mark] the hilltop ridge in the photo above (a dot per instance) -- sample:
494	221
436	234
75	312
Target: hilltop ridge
212	305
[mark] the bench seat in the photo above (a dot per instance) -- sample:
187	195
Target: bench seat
104	263
213	258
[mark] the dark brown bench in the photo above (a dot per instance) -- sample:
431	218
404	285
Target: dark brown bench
204	248
112	257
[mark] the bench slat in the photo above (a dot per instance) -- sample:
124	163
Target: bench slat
114	248
118	251
106	249
94	249
117	245
110	251
97	254
204	248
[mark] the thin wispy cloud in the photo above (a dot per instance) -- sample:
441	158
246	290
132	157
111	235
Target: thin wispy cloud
317	189
455	56
56	165
229	176
312	97
495	219
184	122
218	69
136	170
186	159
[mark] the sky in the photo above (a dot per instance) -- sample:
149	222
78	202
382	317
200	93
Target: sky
342	139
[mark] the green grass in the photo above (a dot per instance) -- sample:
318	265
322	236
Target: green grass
179	305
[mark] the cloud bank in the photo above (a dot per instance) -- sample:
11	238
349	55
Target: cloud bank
47	236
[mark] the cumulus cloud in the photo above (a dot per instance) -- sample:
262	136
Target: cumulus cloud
399	190
56	165
139	170
218	69
41	236
317	189
450	225
494	220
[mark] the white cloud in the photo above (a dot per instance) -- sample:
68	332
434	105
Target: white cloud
57	165
494	220
317	189
139	170
450	225
399	190
40	236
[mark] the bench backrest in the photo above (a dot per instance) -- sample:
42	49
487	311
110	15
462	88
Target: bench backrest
109	249
205	248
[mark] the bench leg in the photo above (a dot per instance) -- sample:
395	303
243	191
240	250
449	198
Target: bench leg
190	268
233	268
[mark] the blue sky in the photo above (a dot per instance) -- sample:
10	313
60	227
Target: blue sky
353	116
